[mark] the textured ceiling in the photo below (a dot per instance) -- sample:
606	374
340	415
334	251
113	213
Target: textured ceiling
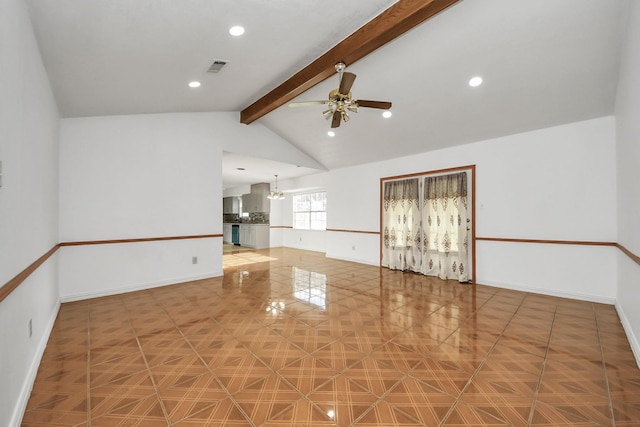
544	63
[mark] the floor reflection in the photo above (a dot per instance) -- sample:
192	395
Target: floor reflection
310	287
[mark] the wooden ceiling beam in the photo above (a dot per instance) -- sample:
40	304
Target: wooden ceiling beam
396	20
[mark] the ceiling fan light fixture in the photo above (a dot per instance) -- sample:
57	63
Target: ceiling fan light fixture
387	114
341	102
331	133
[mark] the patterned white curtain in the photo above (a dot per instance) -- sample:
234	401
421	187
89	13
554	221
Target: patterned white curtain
401	222
444	221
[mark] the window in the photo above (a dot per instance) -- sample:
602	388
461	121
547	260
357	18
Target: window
310	211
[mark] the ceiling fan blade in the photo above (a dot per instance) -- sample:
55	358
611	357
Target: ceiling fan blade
335	122
346	82
374	104
306	103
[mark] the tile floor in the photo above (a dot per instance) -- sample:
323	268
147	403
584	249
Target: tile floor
291	338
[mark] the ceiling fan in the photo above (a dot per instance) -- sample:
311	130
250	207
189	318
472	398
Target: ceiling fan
340	100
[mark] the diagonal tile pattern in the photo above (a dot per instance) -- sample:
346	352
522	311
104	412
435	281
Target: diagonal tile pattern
290	338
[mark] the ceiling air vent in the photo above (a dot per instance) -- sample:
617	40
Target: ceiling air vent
217	66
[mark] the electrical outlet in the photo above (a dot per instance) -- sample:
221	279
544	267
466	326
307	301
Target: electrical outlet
194	260
30	327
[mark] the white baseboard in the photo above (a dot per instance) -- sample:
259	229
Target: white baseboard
27	385
553	293
138	287
631	336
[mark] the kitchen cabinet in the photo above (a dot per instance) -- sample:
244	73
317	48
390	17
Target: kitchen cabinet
254	235
257	200
226	233
230	205
262	240
247	203
247	235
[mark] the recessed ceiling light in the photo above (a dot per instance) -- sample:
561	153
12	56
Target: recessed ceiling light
236	30
475	81
387	114
194	84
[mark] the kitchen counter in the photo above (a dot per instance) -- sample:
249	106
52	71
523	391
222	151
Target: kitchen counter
252	235
247	222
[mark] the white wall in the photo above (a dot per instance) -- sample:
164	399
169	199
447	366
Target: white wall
628	167
551	184
141	176
99	270
535	185
146	176
311	240
28	206
36	298
258	141
352	246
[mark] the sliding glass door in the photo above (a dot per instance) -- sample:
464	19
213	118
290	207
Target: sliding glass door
444	220
402	232
426	224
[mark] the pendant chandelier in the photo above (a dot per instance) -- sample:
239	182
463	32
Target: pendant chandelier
276	194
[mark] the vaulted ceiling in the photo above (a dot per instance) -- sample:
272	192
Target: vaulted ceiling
544	63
